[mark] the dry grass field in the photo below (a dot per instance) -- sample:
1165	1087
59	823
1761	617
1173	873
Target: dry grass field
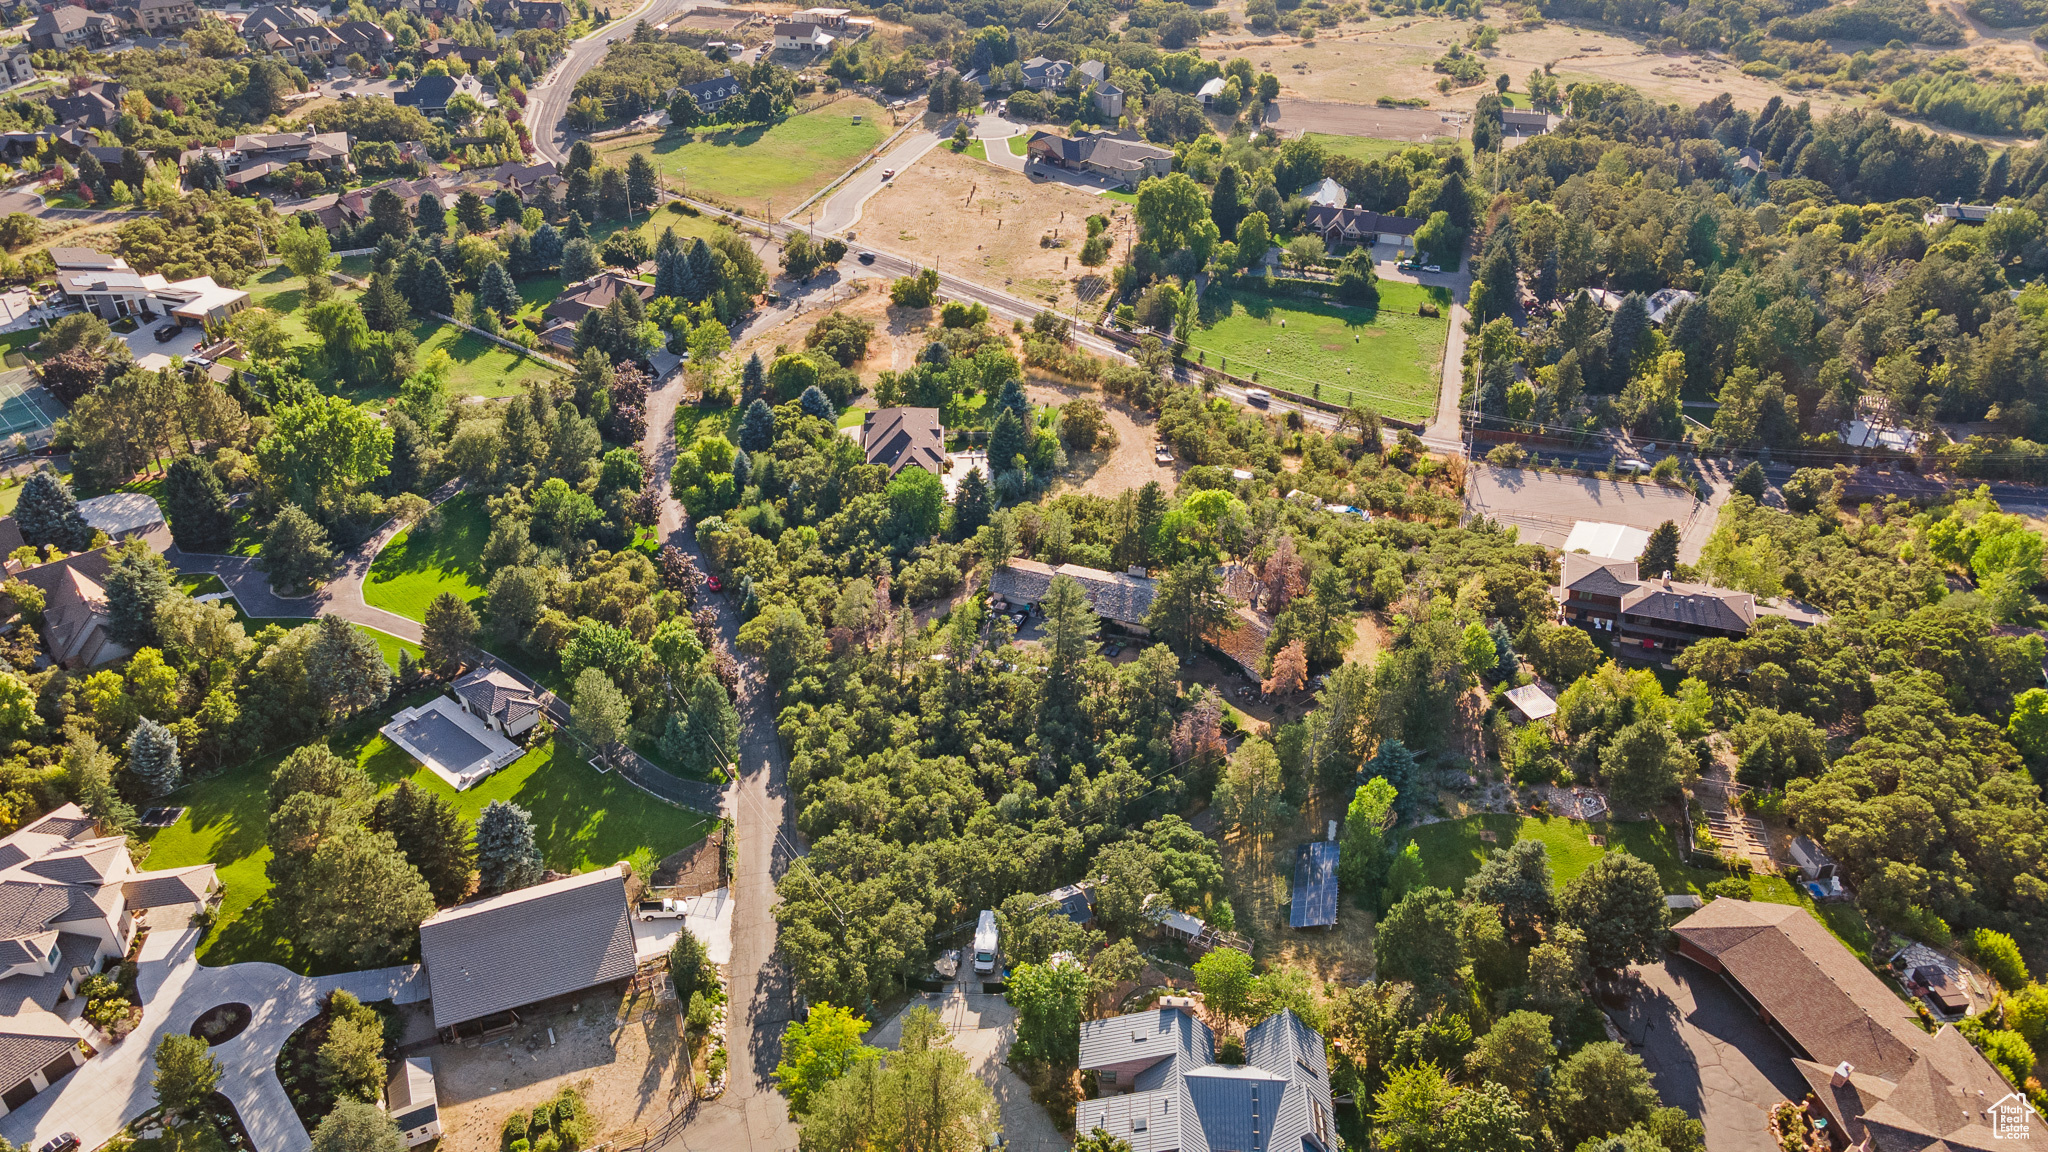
986	223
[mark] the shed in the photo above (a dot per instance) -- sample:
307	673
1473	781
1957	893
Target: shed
1531	702
1315	886
1812	861
412	1101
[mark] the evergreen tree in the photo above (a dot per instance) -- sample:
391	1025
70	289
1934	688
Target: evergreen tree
703	269
295	552
138	583
519	254
641	181
411	456
547	247
972	505
428	216
93	175
714	729
433	836
1750	482
757	430
670	265
753	377
1395	764
814	402
197	505
431	292
577	228
408	671
1226	206
449	628
579	260
1189	608
47	513
506	206
496	291
742	469
1660	555
1005	442
472	212
153	759
507	858
345	669
384	308
1013	399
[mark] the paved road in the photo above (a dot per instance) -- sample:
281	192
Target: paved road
550	97
1708	1054
842	209
96	1100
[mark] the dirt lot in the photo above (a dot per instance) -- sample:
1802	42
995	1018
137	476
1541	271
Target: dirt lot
1293	117
1126	464
629	1074
981	221
1341	954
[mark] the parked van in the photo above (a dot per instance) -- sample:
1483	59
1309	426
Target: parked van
985	944
1258	396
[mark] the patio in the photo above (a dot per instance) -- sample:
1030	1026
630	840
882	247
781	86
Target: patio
457	747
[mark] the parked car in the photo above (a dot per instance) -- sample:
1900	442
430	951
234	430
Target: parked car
663	909
1162	454
714	583
168	332
1432	268
985	941
63	1142
1258	396
1633	467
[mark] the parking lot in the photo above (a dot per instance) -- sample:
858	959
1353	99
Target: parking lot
1545	505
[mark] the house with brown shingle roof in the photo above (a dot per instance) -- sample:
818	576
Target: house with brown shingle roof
1882	1081
898	438
1652	620
1123	598
75	619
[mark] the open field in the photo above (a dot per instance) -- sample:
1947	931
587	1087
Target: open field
1364	147
986	223
418	566
583	820
1330	118
1452	851
1390	359
783	162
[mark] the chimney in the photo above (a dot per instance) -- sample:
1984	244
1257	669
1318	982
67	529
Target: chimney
1333	831
1843	1071
1667	579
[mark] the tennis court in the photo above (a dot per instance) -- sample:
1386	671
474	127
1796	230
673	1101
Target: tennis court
25	409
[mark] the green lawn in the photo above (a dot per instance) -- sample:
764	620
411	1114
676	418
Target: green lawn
1368	147
415	567
200	585
1452	851
1388	358
782	162
1020	143
977	150
1123	197
584	820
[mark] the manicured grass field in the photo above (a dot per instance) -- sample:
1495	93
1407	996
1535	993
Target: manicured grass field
1453	851
1370	147
416	567
1020	143
977	150
583	820
1390	358
782	162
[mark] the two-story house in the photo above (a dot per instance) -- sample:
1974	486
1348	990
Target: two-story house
66	27
1651	621
1161	1089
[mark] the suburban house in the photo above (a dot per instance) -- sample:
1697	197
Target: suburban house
499	699
122	514
1116	157
794	36
412	1102
276	18
1880	1080
66	27
72	898
298	45
449	49
125	292
249	159
1041	73
541	13
1664	301
1122	598
431	94
1958	212
364	38
1653	620
1242	640
351	208
1340	226
16	64
95	106
1162	1090
1519	122
899	438
488	958
584	297
525	179
1109	99
710	94
165	15
75	617
1210	90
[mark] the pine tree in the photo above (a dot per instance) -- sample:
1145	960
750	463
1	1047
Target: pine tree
576	228
449	628
1005	442
753	377
153	758
1013	399
547	247
507	857
295	553
197	504
641	181
814	402
1660	555
703	269
757	430
408	671
431	291
384	309
345	669
47	513
506	206
138	583
972	505
497	292
433	837
1751	481
428	216
668	265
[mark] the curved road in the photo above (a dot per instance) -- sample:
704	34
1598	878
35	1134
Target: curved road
550	99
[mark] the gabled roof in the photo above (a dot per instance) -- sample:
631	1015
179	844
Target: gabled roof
31	1041
901	437
1315	886
1695	605
1598	575
548	940
170	887
1157	1043
1277	1101
1115	596
63	18
595	294
1522	120
1353	222
495	692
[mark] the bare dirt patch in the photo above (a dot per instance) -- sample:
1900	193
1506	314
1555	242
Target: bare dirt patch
630	1074
1293	116
1340	954
1125	465
985	222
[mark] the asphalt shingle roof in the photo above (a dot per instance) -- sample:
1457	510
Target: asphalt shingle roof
548	940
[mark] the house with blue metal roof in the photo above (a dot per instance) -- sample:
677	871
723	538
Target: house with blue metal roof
1162	1090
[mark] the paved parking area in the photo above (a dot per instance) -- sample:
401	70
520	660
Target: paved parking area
1545	505
983	1027
1709	1054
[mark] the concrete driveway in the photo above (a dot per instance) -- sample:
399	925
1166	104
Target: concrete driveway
983	1027
1709	1054
114	1087
1544	505
841	210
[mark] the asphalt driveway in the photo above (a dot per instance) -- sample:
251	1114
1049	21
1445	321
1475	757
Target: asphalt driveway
1544	505
1709	1054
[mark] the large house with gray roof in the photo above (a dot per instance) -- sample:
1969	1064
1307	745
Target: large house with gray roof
1122	598
489	958
1161	1089
69	901
1116	157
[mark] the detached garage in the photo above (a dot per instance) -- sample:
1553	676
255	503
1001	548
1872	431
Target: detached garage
488	958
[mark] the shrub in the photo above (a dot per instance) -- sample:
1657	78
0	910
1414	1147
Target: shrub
2000	955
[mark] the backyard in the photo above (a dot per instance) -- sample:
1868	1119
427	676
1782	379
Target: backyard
780	163
1452	851
583	820
422	563
1389	358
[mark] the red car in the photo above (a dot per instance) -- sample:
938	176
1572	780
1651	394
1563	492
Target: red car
714	583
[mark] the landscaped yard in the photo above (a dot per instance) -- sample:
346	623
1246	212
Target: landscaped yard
782	162
200	585
583	820
1452	851
418	566
1389	359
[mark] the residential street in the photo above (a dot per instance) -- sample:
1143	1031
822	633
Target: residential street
550	98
